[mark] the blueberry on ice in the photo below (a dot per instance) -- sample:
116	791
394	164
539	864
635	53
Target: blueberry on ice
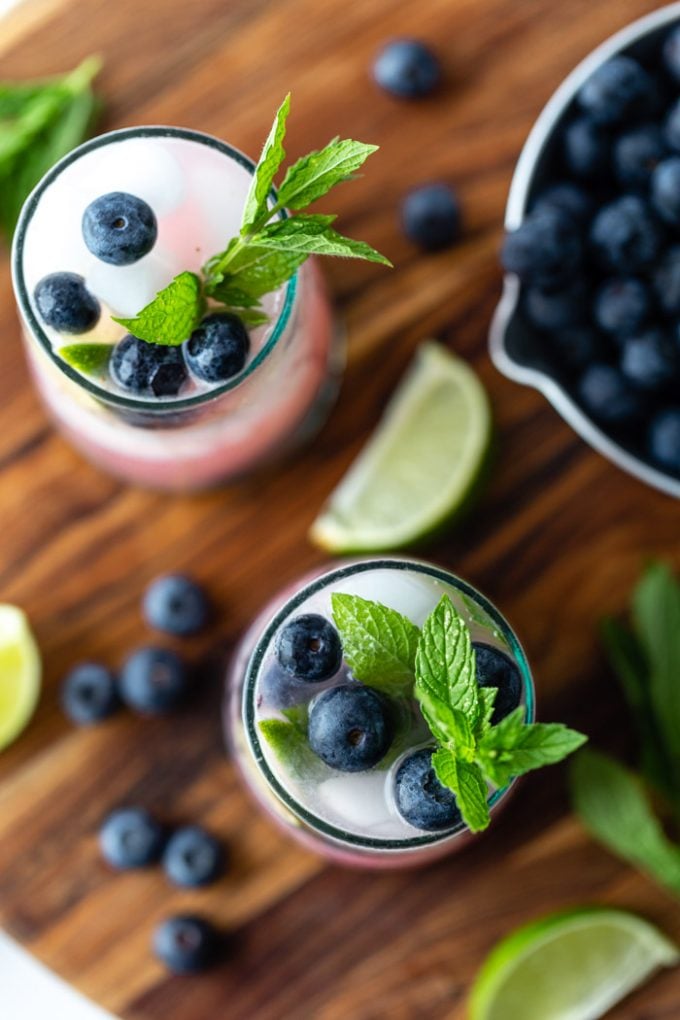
496	669
309	648
218	348
147	368
119	228
350	727
64	302
421	799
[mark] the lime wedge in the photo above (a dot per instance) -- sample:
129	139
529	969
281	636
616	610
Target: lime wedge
421	465
569	966
20	672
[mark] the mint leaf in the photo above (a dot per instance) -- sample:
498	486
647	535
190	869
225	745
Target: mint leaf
445	669
288	739
173	314
302	234
273	153
487	702
91	359
467	783
316	173
379	644
612	805
514	747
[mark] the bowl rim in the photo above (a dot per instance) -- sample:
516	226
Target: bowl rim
515	210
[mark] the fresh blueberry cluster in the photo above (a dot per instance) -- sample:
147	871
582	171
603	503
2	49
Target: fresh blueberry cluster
120	229
598	254
351	727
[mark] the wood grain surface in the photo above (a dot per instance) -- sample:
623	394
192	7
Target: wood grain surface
558	539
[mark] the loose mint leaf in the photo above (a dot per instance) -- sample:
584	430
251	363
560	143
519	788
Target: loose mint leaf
467	783
302	234
514	747
612	805
445	669
298	715
91	359
379	644
288	739
173	314
316	173
273	153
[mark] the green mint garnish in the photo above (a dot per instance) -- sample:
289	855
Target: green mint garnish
288	739
379	644
91	359
268	250
173	314
467	782
39	123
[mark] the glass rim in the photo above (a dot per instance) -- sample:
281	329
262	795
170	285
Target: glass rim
317	824
110	397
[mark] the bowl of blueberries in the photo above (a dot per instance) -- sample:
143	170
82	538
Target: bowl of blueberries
590	311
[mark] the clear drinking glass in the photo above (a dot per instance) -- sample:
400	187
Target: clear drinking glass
351	817
197	185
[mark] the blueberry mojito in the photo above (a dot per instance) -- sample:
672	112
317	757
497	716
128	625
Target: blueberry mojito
174	325
381	711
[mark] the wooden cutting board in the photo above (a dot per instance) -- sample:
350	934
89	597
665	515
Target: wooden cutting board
558	539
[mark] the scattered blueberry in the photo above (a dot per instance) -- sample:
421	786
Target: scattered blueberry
619	90
557	309
671	53
89	694
193	857
566	198
350	727
309	648
576	347
672	127
495	669
651	360
430	216
421	799
544	250
142	367
666	190
586	149
636	154
608	396
64	303
664	439
186	944
625	235
119	228
153	680
407	68
131	838
621	305
218	348
666	281
176	604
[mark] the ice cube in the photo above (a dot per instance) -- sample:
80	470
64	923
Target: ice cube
356	800
141	166
55	241
127	289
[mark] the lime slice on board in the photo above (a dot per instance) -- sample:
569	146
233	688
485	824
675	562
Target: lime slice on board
569	966
421	465
20	673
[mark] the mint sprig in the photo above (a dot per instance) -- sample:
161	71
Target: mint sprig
269	249
379	644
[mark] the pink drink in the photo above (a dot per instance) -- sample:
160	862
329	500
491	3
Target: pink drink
350	817
207	433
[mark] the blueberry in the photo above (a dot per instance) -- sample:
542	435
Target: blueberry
407	68
421	799
586	148
218	348
309	648
651	360
666	190
558	309
636	154
666	281
664	439
544	251
619	90
186	944
621	305
176	604
566	198
193	857
672	127
576	347
625	235
64	303
671	53
131	838
608	396
119	228
142	368
89	694
430	216
495	669
350	727
153	680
